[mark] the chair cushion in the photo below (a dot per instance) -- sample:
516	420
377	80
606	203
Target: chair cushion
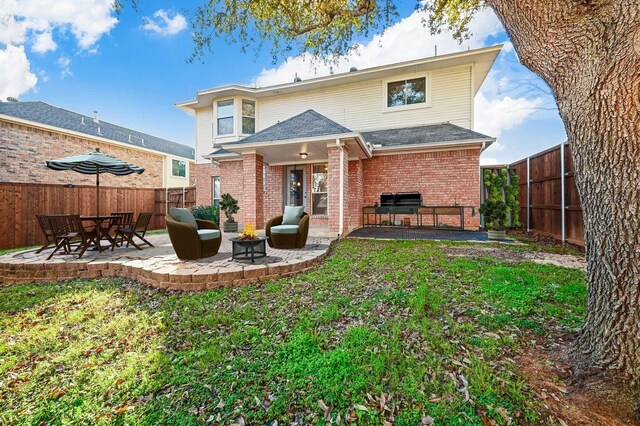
208	234
184	216
284	229
292	215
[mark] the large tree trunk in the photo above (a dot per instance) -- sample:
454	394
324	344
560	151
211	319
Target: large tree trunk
589	54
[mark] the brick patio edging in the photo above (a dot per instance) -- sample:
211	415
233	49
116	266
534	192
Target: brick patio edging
40	272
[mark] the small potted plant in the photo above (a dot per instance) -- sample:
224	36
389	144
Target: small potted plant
229	206
495	218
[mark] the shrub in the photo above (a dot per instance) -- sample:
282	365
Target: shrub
211	213
229	206
494	213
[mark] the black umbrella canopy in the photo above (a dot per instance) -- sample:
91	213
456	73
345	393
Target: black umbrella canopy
94	163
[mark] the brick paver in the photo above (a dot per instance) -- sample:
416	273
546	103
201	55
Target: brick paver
159	267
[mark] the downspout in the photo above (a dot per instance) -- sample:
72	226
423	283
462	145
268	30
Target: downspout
484	145
341	192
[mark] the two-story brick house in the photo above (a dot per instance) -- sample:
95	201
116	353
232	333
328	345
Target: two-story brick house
334	144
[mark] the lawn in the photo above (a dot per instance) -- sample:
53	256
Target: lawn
381	333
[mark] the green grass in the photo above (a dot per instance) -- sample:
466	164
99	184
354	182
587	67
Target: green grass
397	320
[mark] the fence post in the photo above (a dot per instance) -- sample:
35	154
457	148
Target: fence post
562	193
166	201
183	196
528	194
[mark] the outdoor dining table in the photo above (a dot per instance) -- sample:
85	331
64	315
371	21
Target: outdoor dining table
101	231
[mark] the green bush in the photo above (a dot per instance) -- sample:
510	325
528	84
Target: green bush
211	213
229	206
494	213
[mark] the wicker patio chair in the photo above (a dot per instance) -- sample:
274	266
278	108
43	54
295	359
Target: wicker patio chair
190	241
137	229
287	236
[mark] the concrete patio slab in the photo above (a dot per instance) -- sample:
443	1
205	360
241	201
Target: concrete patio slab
159	266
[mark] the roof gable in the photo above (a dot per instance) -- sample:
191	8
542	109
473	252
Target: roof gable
43	113
308	124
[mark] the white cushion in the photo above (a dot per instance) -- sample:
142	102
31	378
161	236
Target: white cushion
292	215
184	216
284	229
208	234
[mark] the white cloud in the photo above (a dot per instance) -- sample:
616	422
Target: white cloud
44	43
406	40
494	116
488	161
65	66
165	23
87	20
34	22
16	77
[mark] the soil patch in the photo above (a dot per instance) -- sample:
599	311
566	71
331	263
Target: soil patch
507	255
594	402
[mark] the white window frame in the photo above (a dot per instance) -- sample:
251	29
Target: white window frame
213	190
217	117
325	192
186	171
427	95
255	116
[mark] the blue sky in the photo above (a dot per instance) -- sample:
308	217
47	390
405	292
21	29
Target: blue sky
132	68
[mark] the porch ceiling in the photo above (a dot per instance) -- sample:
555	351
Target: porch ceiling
288	152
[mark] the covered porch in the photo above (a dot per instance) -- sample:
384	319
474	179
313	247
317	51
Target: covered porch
307	161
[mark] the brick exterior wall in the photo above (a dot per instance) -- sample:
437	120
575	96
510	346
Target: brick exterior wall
355	195
25	149
333	188
273	191
203	174
440	176
232	182
253	192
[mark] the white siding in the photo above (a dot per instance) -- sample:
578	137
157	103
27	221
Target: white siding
204	134
175	181
361	106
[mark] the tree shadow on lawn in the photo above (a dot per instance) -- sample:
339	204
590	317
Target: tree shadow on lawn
381	331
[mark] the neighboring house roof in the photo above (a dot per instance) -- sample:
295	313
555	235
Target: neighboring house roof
40	112
422	135
309	124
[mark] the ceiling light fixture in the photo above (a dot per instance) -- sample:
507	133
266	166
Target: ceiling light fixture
303	155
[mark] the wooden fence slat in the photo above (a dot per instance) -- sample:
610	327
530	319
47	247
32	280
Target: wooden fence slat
546	192
20	202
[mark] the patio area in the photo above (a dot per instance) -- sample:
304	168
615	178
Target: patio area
159	266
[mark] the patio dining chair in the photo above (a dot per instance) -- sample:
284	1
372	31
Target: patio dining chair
43	221
137	229
122	220
67	229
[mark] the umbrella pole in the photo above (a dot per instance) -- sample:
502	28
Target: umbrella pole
98	193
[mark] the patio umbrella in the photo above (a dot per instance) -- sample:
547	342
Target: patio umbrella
94	163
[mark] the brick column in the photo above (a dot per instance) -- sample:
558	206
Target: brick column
253	191
333	188
356	194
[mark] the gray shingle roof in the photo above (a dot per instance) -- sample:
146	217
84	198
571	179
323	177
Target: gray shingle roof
220	151
445	132
309	124
43	113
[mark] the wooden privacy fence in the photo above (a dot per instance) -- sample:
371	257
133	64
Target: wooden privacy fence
548	196
21	202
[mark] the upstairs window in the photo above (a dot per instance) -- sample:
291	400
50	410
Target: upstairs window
225	117
248	117
178	168
407	92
